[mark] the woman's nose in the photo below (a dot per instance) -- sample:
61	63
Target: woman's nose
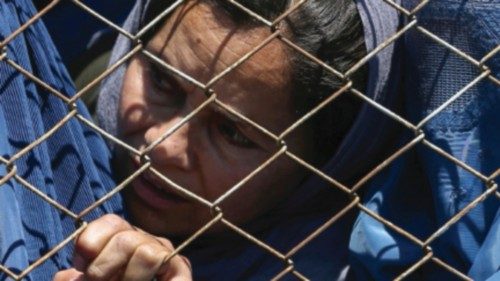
174	150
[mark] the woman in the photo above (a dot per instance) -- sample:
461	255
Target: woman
213	151
29	227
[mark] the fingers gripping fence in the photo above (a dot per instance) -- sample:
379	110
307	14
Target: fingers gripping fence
212	100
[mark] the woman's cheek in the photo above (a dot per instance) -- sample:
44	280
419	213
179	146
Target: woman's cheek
240	161
229	174
133	116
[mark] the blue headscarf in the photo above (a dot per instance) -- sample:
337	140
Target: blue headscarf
72	166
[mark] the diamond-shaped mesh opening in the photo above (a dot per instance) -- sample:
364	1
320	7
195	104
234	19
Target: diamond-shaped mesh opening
437	153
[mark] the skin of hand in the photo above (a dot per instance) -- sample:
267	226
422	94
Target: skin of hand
111	249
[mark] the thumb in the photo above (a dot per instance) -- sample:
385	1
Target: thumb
68	275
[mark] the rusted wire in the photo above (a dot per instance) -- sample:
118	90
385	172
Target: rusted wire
212	101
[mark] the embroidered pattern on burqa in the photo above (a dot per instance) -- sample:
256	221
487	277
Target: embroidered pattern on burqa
468	129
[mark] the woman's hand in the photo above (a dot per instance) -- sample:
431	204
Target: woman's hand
111	249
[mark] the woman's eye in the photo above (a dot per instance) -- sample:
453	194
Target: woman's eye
165	86
159	78
233	135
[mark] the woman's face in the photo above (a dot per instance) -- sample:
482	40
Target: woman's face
213	151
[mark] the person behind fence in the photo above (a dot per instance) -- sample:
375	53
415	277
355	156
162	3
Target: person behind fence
214	150
282	204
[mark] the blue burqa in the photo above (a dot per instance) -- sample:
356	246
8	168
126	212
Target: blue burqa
71	166
419	192
423	190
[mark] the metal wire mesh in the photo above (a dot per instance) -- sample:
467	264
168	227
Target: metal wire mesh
212	99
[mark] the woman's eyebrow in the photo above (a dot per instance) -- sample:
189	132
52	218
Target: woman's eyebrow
258	137
174	79
232	117
160	61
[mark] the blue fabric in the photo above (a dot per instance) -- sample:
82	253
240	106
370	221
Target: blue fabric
419	192
72	166
66	17
423	190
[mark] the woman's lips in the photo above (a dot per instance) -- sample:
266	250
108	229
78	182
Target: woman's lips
154	194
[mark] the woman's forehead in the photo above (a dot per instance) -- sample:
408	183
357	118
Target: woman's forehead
200	35
201	40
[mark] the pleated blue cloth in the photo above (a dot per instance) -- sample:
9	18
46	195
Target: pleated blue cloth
72	166
423	190
419	192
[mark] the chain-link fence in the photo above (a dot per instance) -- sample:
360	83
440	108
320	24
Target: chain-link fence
276	33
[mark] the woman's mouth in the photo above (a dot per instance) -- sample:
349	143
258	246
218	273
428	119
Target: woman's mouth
156	195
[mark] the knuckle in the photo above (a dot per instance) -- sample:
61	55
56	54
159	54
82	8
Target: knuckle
124	240
150	255
87	245
89	242
166	243
113	220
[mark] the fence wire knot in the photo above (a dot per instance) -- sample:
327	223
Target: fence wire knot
279	33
